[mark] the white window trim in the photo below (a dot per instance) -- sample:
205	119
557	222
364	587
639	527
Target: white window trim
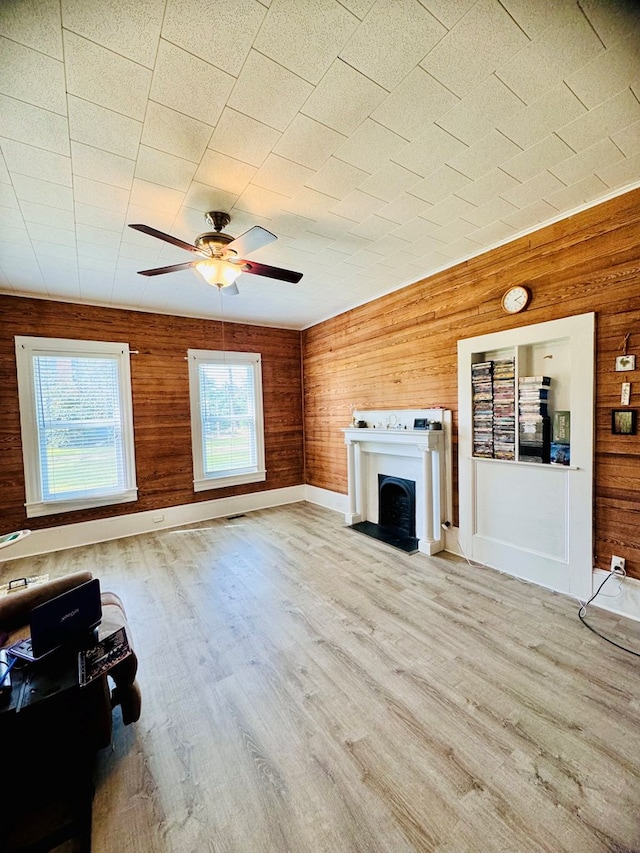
26	349
254	475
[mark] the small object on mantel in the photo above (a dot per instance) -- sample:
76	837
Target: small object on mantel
362	424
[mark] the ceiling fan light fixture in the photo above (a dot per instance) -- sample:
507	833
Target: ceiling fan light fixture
218	272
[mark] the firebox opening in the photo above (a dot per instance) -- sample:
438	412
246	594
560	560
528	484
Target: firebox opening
396	514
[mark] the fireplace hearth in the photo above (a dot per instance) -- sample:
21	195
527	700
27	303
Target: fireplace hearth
396	514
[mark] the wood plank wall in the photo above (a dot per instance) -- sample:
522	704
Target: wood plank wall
400	351
160	401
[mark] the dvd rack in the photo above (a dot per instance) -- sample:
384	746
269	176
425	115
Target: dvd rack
493	399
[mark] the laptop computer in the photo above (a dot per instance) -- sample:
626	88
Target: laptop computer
69	619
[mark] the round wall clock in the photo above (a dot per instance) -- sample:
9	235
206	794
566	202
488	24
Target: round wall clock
516	299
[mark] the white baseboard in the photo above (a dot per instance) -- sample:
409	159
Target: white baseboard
90	532
625	603
324	498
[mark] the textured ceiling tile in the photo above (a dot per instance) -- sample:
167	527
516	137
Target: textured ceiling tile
27	123
16	234
370	146
88	191
448	12
529	217
26	160
418	101
128	27
34	212
399	29
540	186
308	142
373	227
13	218
403	208
594	159
305	37
439	185
164	169
101	128
551	57
611	116
202	197
221	35
343	99
4	172
529	74
261	202
483	156
203	89
481	110
489	212
418	232
177	134
389	182
622	173
608	73
336	178
243	138
486	37
281	175
163	199
493	233
34	23
357	206
43	192
51	234
89	214
535	18
89	162
446	211
312	205
99	75
218	170
487	187
100	236
428	151
30	76
612	21
628	139
537	158
268	92
542	117
578	194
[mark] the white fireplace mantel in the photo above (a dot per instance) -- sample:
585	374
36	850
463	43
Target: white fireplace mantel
421	455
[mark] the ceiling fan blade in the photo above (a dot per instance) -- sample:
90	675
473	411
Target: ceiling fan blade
175	241
271	272
230	289
172	268
253	239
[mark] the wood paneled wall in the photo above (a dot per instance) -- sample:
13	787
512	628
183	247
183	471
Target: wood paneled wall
401	350
160	387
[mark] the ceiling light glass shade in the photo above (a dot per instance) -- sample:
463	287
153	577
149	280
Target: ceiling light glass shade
217	272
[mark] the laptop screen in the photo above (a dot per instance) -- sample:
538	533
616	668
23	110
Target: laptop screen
65	618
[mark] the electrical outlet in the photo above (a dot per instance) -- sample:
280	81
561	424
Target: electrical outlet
617	563
159	517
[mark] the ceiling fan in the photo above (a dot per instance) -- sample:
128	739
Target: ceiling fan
220	262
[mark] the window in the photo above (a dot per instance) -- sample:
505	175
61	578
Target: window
226	418
77	424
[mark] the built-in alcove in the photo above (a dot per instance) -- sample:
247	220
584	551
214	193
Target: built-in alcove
530	519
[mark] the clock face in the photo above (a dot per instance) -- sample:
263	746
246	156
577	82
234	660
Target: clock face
516	299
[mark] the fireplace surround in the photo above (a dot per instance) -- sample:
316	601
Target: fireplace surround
389	446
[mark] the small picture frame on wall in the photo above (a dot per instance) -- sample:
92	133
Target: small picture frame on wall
624	421
626	362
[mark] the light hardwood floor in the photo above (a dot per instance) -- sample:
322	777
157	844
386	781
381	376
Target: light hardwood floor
309	690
